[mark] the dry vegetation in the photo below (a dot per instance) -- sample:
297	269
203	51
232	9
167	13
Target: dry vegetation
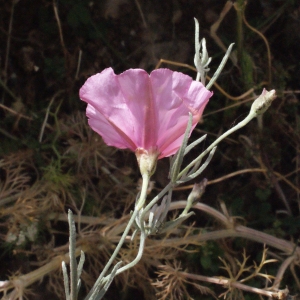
242	242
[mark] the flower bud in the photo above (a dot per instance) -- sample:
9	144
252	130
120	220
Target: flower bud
263	102
197	192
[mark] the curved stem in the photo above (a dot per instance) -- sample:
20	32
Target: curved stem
140	203
117	249
286	263
139	255
228	283
219	139
138	206
238	231
156	198
203	207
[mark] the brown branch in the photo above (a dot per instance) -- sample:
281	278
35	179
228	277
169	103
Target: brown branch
280	294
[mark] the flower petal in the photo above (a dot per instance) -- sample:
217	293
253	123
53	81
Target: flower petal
137	93
111	135
125	101
175	95
137	111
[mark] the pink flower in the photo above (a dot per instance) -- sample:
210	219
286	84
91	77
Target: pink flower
143	112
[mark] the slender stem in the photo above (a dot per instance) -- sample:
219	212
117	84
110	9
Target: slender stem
230	283
175	169
156	198
98	294
223	136
73	262
9	39
139	205
240	231
112	258
139	255
201	169
279	276
239	11
237	231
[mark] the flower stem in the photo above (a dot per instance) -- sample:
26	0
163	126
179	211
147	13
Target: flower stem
241	124
139	255
139	205
157	197
117	249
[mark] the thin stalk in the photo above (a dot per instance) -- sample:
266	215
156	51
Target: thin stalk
240	37
139	255
235	284
139	205
237	231
73	262
218	140
112	258
9	39
156	198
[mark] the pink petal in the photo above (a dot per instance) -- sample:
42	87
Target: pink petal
134	110
137	92
125	102
176	95
111	135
